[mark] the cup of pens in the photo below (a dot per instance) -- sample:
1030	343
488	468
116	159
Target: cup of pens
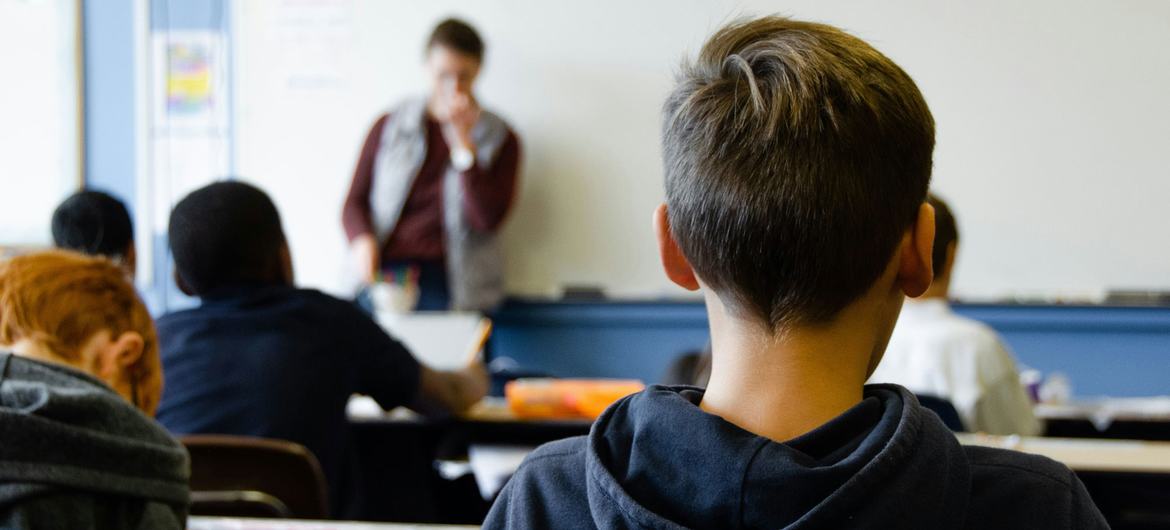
396	290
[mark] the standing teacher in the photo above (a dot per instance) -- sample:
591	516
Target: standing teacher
434	183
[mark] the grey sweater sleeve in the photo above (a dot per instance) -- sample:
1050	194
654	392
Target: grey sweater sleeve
86	511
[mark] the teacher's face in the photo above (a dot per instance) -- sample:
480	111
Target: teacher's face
452	73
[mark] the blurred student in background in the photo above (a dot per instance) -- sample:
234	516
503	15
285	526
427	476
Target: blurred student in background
260	357
95	223
434	182
934	351
77	446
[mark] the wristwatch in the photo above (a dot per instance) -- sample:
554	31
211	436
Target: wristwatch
462	158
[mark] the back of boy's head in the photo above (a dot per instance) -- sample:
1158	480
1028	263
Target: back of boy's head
94	223
60	300
225	234
796	157
946	232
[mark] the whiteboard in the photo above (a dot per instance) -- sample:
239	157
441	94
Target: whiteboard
1052	115
40	124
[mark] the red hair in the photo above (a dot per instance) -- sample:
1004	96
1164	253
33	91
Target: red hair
61	300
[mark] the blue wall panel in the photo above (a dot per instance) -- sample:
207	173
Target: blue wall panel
1115	351
110	107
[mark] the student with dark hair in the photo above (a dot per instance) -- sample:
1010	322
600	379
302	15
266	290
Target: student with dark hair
934	351
434	182
95	223
797	161
260	357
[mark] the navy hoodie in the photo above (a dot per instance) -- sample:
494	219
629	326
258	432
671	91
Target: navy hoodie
655	460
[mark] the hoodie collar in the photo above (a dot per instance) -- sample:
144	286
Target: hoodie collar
657	460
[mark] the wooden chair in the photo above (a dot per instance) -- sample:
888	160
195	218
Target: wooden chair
240	476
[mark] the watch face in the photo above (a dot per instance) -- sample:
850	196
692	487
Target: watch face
462	159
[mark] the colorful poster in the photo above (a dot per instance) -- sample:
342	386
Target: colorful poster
189	75
188	78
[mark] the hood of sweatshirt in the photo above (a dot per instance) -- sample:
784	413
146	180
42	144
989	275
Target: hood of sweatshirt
861	469
63	429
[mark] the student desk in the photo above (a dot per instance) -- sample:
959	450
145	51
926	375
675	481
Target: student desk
224	523
1128	480
1108	456
1115	418
490	421
396	452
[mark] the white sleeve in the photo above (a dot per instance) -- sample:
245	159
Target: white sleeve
1003	406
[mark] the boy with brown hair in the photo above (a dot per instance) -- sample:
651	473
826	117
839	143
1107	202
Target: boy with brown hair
797	163
77	446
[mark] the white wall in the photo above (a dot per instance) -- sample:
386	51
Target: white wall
39	116
1052	119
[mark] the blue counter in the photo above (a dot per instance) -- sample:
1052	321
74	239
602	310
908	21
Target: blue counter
1117	351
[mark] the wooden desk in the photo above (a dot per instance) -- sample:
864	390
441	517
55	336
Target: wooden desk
488	422
1128	480
1111	456
404	445
224	523
1120	419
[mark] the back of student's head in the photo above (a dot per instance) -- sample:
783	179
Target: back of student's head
94	223
225	234
946	233
60	300
796	158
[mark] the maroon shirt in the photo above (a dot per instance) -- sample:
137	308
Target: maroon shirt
487	193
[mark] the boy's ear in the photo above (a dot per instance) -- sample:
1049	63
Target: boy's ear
121	353
677	268
916	270
287	276
182	284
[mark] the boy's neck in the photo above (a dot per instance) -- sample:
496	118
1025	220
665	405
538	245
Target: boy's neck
782	385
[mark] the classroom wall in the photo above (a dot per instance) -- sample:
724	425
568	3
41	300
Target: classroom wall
1103	351
40	117
1051	116
129	151
110	111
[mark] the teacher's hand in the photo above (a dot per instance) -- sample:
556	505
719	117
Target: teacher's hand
461	116
365	252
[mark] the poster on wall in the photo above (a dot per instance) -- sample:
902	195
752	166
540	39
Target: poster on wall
189	73
190	138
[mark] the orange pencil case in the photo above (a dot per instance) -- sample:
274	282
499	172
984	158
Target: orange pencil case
566	398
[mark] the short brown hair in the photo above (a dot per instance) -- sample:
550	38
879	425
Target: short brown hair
946	232
796	156
61	299
459	36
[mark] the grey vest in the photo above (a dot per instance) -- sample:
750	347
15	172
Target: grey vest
475	272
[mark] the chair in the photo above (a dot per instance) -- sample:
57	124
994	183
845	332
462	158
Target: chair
240	476
944	409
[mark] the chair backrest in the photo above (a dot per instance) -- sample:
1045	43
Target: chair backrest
254	477
944	409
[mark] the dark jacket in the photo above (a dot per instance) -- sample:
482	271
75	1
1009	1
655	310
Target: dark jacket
655	460
279	362
74	454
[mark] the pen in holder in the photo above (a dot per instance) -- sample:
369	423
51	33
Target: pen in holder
396	291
